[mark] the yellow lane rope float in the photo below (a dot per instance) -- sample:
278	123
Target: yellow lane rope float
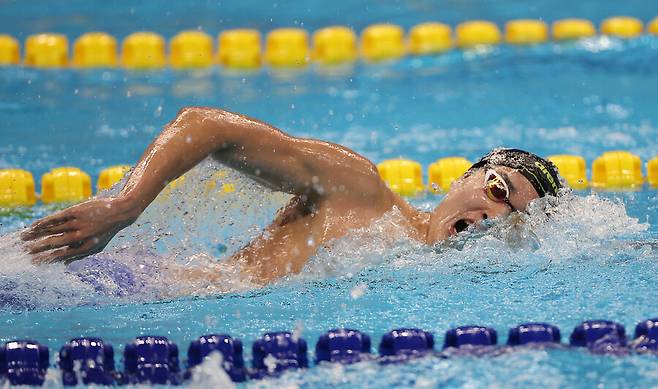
289	47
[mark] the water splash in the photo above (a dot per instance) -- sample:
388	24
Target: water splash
176	248
209	373
571	228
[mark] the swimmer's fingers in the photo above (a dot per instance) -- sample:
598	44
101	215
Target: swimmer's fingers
54	229
40	227
68	254
54	242
57	218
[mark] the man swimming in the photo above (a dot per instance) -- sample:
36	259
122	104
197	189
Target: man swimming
334	190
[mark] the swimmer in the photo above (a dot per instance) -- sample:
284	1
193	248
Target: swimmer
334	190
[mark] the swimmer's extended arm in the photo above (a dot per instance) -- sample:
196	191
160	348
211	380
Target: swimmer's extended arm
310	168
280	161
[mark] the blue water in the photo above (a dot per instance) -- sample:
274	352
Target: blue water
596	259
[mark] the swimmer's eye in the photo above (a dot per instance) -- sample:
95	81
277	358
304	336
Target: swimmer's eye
496	188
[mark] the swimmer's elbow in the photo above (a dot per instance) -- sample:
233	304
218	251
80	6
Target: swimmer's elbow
198	114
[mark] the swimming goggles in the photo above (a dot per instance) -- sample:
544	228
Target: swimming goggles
496	189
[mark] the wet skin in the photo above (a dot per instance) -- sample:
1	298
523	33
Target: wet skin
334	191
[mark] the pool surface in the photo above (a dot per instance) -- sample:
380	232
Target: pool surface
596	258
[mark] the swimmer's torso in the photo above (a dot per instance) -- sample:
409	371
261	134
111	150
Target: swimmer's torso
301	229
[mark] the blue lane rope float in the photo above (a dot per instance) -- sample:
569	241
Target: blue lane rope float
155	359
334	45
151	359
90	359
24	362
229	348
600	336
343	346
530	333
405	343
283	348
470	336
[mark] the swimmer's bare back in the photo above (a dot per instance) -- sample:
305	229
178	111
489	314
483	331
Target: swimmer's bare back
335	190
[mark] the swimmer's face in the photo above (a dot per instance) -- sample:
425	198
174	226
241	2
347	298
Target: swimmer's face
467	203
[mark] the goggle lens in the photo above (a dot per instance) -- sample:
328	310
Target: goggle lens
496	188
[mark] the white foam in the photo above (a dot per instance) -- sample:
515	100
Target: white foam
209	374
186	232
578	226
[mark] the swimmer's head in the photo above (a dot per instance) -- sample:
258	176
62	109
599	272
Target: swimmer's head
502	182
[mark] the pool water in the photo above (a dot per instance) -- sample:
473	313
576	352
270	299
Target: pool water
596	258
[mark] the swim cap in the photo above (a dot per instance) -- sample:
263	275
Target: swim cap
541	173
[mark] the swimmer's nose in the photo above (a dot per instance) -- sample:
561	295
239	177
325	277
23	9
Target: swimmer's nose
481	219
494	211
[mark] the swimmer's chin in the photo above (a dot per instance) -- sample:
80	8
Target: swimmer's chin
437	232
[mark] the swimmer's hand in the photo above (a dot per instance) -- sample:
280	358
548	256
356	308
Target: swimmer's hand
79	231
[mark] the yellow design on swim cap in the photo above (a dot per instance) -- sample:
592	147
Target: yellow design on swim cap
548	175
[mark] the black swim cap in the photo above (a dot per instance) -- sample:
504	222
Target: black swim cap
541	173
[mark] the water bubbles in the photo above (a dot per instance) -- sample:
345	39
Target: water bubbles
207	374
270	363
220	249
358	291
210	321
615	111
297	331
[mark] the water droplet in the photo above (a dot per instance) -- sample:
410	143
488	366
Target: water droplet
297	331
358	291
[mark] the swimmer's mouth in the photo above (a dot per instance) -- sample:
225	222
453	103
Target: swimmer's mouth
460	226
